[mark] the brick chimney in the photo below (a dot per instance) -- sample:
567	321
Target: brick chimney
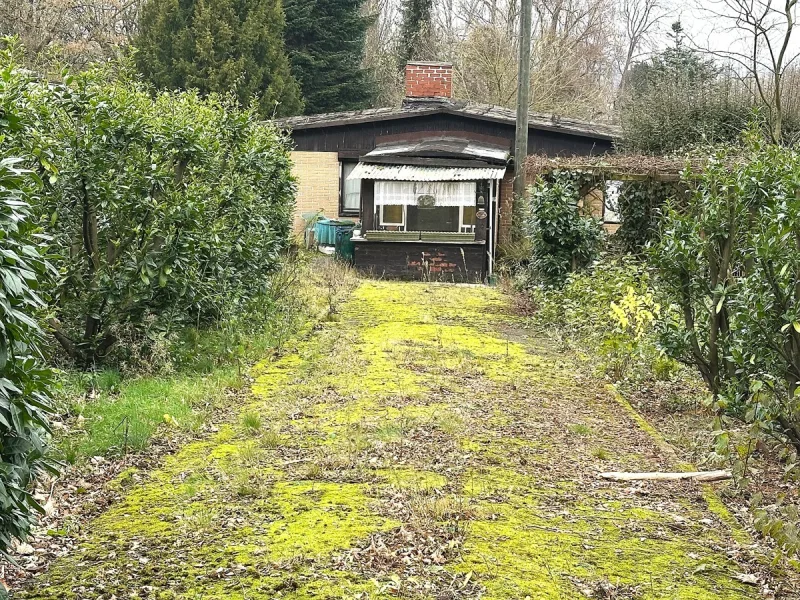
429	80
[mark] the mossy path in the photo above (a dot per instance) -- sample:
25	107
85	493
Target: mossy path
422	447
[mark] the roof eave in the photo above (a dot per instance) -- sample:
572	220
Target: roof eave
554	128
360	119
390	116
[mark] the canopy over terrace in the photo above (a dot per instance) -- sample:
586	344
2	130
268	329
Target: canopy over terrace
439	147
434	199
618	167
423	173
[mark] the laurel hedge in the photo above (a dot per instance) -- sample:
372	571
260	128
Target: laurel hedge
140	213
164	209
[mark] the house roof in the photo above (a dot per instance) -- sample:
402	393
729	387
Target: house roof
414	107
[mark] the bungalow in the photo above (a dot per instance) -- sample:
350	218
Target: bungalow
429	180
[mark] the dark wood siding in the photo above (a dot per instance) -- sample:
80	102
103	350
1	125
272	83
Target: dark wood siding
428	261
361	137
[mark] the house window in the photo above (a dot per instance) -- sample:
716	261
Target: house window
431	206
349	190
467	219
393	215
435	218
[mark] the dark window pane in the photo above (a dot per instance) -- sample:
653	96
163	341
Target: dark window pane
440	218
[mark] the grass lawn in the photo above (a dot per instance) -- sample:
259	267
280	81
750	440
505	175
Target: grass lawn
424	445
106	414
123	415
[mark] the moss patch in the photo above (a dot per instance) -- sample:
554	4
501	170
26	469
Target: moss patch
423	439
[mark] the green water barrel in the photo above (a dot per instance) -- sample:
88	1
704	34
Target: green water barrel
324	232
344	242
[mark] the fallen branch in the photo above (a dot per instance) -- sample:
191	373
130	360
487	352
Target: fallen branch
696	475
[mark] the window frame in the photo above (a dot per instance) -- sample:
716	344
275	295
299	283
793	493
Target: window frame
383	223
464	227
347	212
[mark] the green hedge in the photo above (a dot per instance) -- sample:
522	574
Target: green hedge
163	209
562	239
641	204
24	382
155	211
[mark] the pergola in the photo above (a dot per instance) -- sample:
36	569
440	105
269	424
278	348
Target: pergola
601	169
618	167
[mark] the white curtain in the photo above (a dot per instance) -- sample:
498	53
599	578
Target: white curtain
351	188
446	193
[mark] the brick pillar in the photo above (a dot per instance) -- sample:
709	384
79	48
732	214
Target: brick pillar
506	208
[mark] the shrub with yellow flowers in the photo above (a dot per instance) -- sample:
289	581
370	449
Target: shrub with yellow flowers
632	319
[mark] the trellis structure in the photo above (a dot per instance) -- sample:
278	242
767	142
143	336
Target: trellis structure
618	167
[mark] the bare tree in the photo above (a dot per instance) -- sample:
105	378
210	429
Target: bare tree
573	55
573	51
639	22
485	67
78	30
765	28
380	50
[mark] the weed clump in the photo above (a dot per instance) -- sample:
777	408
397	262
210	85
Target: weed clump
251	421
270	439
580	429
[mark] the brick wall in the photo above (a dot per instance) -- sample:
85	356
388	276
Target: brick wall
427	261
429	80
317	176
506	210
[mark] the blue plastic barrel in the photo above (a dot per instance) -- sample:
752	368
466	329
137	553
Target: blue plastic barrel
325	230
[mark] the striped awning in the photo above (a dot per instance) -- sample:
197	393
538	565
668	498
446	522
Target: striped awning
417	173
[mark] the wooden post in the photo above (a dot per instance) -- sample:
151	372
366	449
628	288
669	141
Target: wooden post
367	206
523	100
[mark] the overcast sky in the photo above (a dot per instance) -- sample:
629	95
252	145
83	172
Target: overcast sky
707	29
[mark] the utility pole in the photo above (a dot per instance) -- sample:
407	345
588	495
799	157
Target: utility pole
523	99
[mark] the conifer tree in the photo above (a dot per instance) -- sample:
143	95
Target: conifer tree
325	40
416	39
217	46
